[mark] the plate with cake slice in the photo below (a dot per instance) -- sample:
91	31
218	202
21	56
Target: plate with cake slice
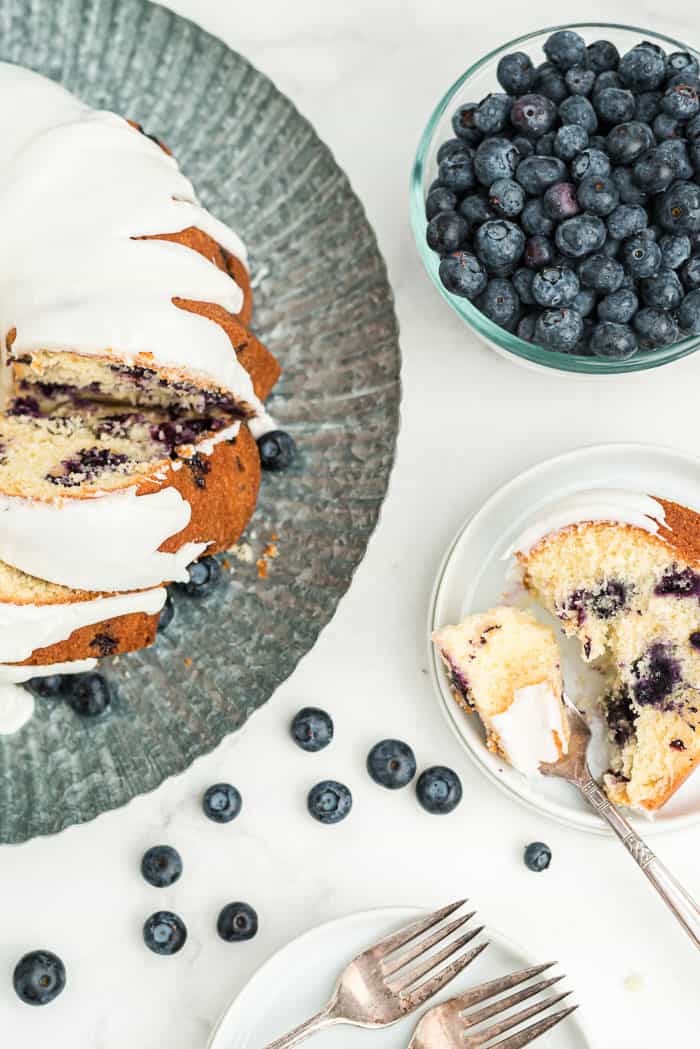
580	576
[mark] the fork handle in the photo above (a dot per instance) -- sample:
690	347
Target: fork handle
311	1026
671	892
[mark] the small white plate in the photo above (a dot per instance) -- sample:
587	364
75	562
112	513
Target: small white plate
474	576
297	981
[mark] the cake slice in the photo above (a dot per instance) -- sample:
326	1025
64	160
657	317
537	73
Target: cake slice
504	665
621	572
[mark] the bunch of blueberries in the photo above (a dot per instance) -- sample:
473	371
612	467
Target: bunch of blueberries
567	206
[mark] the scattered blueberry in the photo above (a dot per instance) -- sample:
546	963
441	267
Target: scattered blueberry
614	105
654	327
277	450
312	729
536	173
475	209
565	49
689	313
329	801
516	73
590	162
464	127
500	303
522	282
167	613
559	329
653	171
495	158
203	575
555	286
439	790
629	191
560	201
164	933
539	252
601	273
681	102
491	115
463	274
39	977
620	306
222	802
569	141
391	763
663	290
643	68
534	115
576	109
534	220
679	208
537	856
641	255
447	232
625	220
580	80
690	273
627	141
598	194
161	866
602	56
237	922
88	694
440	199
499	244
452	145
49	687
506	198
580	235
613	341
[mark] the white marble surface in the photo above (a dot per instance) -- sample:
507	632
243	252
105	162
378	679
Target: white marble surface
367	74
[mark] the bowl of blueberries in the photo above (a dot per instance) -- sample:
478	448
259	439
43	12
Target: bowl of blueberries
555	199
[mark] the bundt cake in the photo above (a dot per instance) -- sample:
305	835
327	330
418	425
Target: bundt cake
504	665
621	572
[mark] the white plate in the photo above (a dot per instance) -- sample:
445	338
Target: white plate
297	981
473	577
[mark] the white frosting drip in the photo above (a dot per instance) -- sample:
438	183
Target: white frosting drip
262	424
17	704
16	675
598	504
24	628
529	730
77	187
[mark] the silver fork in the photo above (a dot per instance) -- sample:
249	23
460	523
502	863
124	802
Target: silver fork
448	1025
573	767
380	987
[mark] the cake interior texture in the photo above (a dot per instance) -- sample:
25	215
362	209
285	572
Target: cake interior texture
632	599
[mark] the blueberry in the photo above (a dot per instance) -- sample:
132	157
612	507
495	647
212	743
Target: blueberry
602	56
202	575
491	116
526	331
464	126
693	156
692	130
689	312
452	145
576	109
555	286
522	282
611	248
560	201
523	145
625	142
439	790
161	866
167	613
440	199
536	173
329	801
619	306
569	141
647	106
565	49
39	977
641	255
653	172
312	729
690	273
585	301
463	274
598	194
681	102
550	83
601	273
506	198
475	209
580	80
643	68
625	220
456	171
516	73
391	763
222	802
50	687
533	114
676	79
679	208
277	450
88	694
629	191
495	158
581	235
537	856
663	290
605	79
237	922
500	303
682	62
539	252
590	162
559	329
534	220
164	933
613	341
676	152
654	328
614	105
499	244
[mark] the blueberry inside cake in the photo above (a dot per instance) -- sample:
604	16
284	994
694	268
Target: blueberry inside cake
504	665
629	590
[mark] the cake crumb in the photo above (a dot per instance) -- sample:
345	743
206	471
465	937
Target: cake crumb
270	550
187	661
634	982
226	563
242	552
262	567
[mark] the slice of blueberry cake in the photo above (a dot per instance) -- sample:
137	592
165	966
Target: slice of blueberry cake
504	665
621	572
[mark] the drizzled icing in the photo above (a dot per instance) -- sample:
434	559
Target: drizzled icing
77	188
17	704
532	729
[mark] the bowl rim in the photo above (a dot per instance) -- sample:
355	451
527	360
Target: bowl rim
505	342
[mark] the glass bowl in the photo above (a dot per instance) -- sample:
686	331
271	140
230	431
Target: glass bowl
478	81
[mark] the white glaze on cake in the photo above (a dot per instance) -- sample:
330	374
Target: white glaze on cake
531	730
596	504
77	186
24	628
17	704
